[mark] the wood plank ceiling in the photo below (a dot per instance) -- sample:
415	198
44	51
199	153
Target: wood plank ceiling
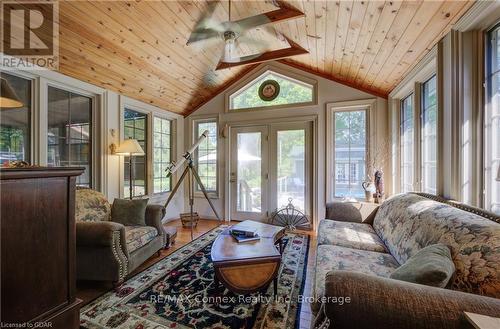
138	48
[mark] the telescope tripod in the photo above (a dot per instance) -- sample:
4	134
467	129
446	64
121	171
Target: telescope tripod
192	175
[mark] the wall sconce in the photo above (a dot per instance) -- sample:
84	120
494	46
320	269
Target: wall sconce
112	146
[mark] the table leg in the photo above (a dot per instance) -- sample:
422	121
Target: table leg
280	242
216	281
275	284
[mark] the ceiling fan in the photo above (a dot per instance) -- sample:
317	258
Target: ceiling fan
233	33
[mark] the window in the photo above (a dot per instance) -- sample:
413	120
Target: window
135	126
291	91
406	148
350	153
206	155
492	125
162	154
70	132
15	123
429	136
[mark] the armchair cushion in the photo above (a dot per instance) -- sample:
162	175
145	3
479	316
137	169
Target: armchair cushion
129	212
431	266
352	235
97	233
138	236
91	206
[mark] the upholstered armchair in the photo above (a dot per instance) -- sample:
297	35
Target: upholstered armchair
106	250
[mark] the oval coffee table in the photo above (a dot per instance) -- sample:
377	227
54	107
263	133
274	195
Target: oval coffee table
248	267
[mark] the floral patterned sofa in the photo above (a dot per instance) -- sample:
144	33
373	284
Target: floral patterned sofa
106	250
360	245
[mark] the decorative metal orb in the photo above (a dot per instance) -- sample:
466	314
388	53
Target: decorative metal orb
289	217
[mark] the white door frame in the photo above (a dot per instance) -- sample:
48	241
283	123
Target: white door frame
308	123
233	178
274	128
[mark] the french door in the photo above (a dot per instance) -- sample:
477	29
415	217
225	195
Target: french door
270	167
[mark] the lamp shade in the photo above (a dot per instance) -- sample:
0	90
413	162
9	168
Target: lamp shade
129	147
8	98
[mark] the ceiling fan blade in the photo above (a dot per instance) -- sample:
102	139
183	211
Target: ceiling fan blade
294	50
259	44
202	35
206	27
281	14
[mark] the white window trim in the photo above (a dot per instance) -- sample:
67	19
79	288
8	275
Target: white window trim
370	106
151	112
279	70
192	121
411	84
41	79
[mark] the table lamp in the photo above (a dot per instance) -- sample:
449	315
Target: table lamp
130	147
8	98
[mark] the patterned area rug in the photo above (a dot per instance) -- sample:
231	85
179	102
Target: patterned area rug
178	292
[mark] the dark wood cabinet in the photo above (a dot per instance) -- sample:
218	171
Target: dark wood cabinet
37	219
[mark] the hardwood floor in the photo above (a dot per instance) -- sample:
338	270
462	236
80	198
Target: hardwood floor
90	290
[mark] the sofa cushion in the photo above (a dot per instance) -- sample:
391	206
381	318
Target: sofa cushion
138	236
431	266
329	258
407	223
129	212
91	206
352	235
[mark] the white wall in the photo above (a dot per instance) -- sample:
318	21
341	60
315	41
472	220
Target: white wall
328	92
108	113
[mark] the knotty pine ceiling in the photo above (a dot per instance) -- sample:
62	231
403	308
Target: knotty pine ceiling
138	48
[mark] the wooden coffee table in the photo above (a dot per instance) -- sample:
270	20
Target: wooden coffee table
248	267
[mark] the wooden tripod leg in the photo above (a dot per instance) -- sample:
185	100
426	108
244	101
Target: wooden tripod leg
198	179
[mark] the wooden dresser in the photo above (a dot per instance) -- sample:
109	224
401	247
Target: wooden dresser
38	247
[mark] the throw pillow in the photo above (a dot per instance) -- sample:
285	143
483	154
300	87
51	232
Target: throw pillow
431	266
129	212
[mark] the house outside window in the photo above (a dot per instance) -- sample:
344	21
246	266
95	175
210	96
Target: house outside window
407	143
350	148
136	127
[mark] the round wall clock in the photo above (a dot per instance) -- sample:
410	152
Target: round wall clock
269	90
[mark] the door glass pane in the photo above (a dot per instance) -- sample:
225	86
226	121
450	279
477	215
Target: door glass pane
350	154
249	175
15	123
291	168
69	132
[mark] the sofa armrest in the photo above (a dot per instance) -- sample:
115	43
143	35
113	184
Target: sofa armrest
377	302
154	215
357	212
97	233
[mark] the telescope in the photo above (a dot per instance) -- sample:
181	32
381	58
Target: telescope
192	175
174	166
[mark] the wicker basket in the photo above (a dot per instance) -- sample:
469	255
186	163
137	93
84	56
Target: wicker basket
186	219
